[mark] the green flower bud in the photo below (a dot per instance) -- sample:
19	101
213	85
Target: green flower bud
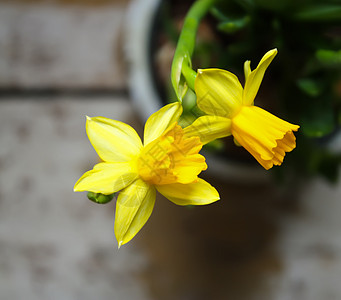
100	198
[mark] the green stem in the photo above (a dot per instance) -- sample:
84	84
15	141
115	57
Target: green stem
186	44
189	75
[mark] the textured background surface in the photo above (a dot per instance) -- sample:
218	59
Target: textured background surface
61	46
258	242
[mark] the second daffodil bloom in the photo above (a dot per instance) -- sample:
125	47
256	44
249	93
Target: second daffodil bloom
220	94
168	161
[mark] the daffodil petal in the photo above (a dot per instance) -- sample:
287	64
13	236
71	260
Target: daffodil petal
113	140
209	128
247	69
219	92
159	121
199	192
254	79
107	178
133	208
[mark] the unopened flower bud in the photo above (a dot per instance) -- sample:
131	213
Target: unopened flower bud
100	198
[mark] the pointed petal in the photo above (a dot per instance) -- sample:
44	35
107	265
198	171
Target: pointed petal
196	193
209	128
247	69
219	92
107	178
113	140
158	122
254	79
133	208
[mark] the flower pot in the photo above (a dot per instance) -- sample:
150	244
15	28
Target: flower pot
150	52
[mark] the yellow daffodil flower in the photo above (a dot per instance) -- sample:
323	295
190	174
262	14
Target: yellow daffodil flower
220	94
168	161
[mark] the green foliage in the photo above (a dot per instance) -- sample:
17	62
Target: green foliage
329	58
305	77
303	84
319	12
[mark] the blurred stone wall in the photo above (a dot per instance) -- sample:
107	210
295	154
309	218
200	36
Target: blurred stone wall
62	44
59	61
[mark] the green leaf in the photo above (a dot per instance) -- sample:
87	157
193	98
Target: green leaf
322	12
233	25
329	57
319	121
310	87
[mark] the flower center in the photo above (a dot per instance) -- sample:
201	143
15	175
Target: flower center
171	158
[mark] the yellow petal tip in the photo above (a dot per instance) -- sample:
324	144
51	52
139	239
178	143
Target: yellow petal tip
274	50
88	118
120	243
